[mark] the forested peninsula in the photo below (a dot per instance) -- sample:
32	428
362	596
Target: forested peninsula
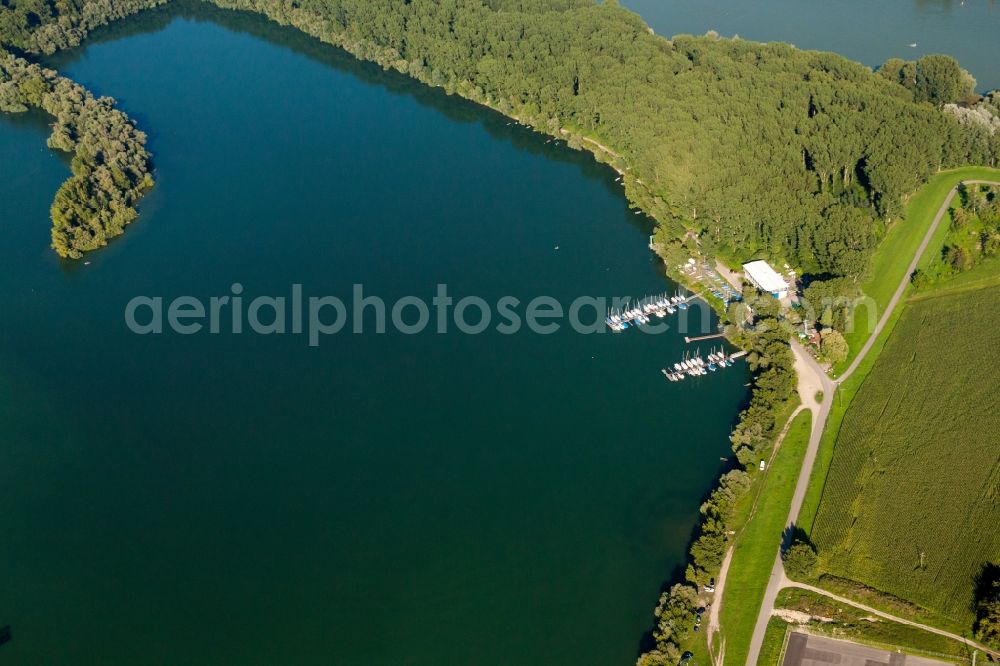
111	168
110	165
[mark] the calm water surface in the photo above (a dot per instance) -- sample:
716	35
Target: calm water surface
383	499
866	31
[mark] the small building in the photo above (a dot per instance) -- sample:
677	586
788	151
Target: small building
766	279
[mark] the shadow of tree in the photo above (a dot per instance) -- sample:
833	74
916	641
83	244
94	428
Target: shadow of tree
986	603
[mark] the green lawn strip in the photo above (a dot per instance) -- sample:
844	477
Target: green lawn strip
758	543
745	505
933	250
699	649
893	256
774	642
847	622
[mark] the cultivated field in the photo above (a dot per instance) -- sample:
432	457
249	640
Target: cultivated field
911	505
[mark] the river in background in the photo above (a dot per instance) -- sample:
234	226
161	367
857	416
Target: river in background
380	499
869	32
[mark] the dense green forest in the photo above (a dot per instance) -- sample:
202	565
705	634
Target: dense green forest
110	163
44	26
761	147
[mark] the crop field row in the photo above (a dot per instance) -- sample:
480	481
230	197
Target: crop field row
911	505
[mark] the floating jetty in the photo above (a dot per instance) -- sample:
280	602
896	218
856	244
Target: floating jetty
704	337
693	365
644	310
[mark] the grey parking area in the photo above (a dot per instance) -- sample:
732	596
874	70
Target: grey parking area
806	650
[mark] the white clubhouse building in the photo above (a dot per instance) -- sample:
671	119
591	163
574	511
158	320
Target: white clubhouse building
765	278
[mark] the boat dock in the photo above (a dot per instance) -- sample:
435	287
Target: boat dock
695	365
713	336
644	310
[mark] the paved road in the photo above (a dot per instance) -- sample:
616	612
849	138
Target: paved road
815	375
777	579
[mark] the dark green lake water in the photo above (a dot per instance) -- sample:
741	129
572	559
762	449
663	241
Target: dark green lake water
866	31
380	499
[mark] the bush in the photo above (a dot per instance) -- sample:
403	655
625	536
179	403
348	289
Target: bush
800	561
833	346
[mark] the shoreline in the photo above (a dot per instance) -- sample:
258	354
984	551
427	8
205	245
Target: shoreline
602	153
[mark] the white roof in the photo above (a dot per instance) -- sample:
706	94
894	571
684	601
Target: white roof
765	277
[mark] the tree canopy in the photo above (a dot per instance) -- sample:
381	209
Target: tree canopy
762	146
800	561
937	79
111	167
987	627
43	26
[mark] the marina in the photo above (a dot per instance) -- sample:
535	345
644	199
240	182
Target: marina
695	365
644	310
